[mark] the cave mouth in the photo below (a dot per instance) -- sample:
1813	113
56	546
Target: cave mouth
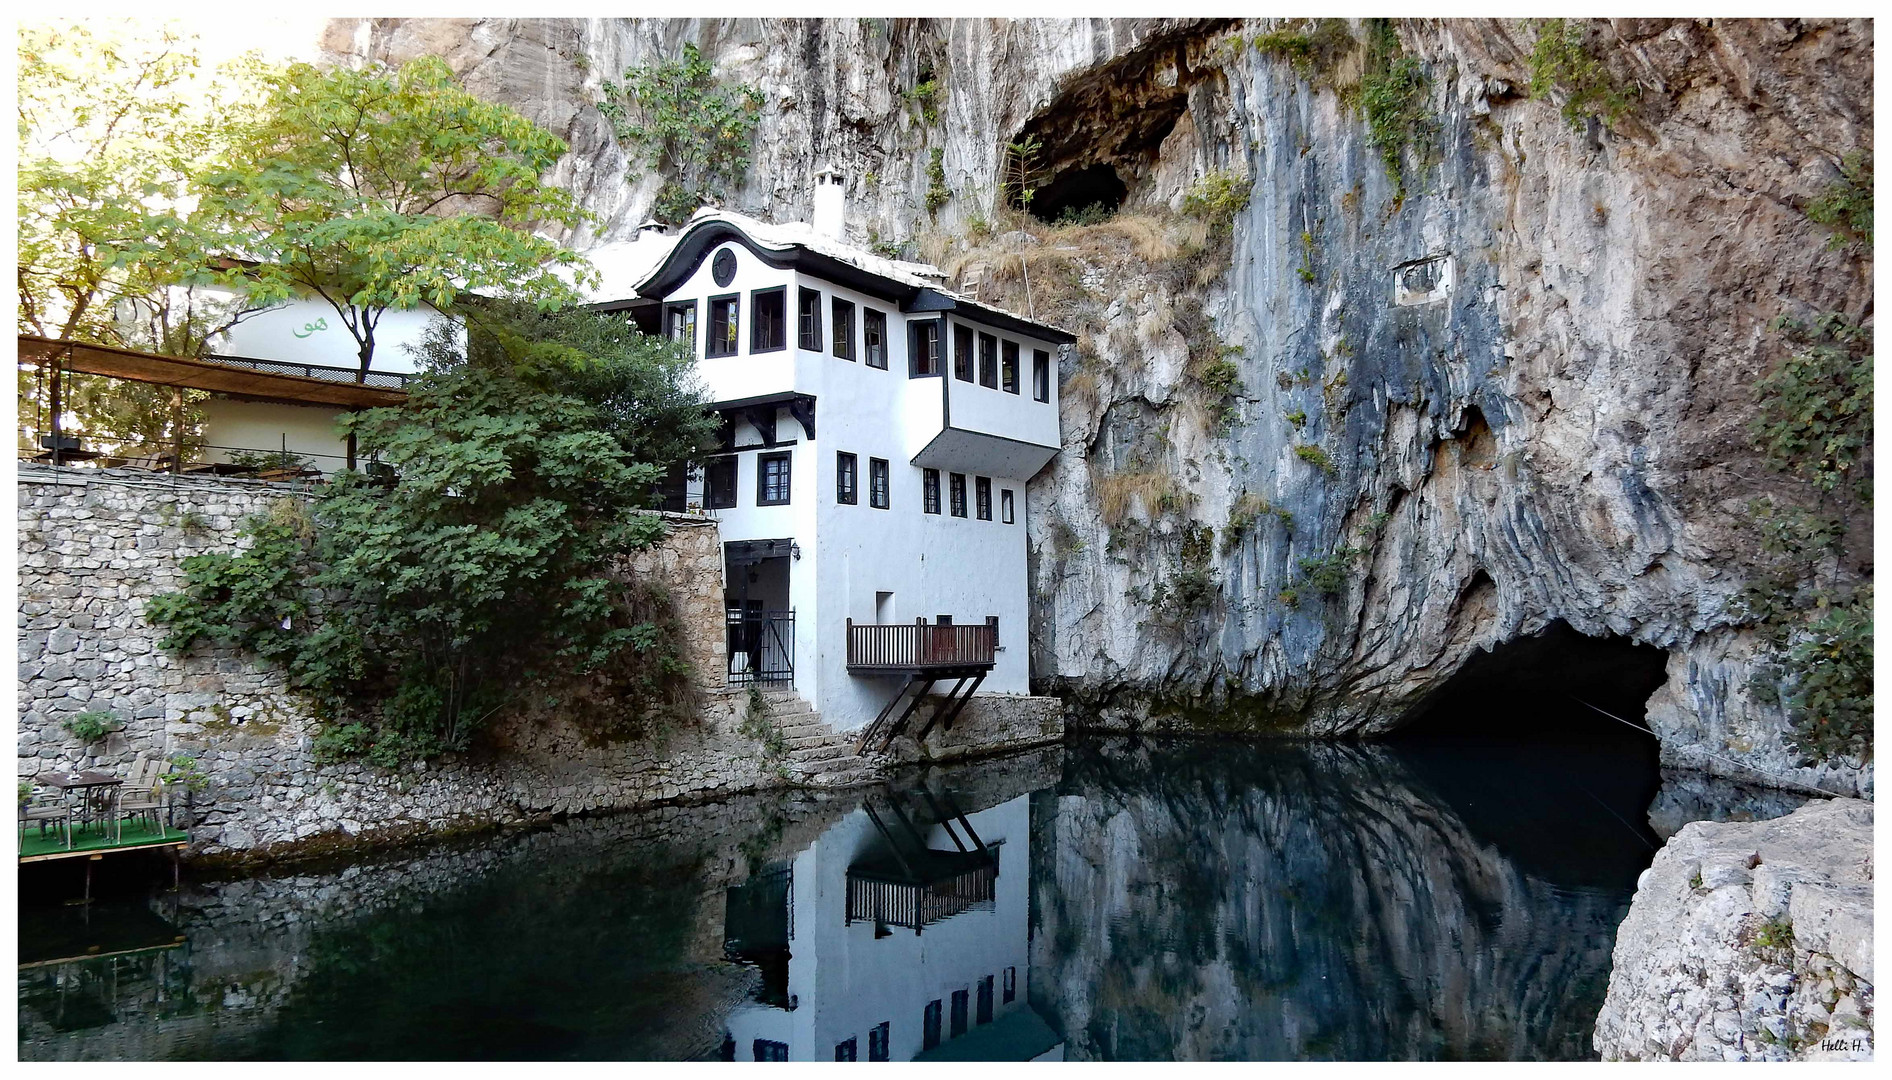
1509	743
1535	688
1074	193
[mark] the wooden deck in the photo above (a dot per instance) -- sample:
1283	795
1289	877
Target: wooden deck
941	652
88	842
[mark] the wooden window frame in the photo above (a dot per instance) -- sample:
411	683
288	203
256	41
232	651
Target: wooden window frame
841	321
709	483
989	361
847	478
688	309
871	319
756	296
924	336
808	319
929	497
982	497
879	484
1040	375
956	494
1007	511
787	458
733	303
962	352
1008	367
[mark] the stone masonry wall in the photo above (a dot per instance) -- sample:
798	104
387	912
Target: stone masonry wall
94	545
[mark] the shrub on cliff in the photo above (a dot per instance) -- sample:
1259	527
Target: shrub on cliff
413	606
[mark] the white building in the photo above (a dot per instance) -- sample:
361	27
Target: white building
903	933
878	435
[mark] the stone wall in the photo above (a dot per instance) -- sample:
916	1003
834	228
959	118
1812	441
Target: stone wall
96	544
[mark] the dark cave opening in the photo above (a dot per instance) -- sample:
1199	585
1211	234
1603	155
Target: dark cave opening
1075	191
1511	743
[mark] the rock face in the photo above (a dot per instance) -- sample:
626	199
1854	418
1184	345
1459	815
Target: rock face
1749	941
1509	387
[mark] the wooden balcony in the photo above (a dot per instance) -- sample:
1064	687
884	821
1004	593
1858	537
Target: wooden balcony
919	648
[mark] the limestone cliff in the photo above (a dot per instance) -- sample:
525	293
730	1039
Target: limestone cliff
1505	388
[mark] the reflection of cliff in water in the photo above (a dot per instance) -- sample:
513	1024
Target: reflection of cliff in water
1326	901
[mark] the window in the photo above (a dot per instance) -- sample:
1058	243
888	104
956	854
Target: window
847	479
877	1041
877	494
808	320
929	1026
1041	375
930	492
1011	984
982	497
843	311
770	1051
959	494
771	479
767	331
984	1015
960	998
720	477
962	353
992	624
1005	506
923	348
723	312
874	337
1008	369
988	361
680	324
844	1051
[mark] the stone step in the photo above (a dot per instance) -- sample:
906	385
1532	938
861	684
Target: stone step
825	752
814	738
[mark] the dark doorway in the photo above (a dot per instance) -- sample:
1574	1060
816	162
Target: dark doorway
1075	192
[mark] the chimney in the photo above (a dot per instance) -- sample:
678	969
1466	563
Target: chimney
831	204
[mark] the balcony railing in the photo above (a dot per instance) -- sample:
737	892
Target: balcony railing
392	379
918	646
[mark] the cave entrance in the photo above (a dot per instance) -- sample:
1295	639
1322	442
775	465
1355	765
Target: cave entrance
1078	193
1509	742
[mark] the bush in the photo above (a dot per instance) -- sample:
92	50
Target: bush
1845	207
1314	455
1562	59
1215	199
1329	574
91	726
1393	100
1815	415
937	193
692	128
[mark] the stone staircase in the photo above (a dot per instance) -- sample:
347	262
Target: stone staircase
818	755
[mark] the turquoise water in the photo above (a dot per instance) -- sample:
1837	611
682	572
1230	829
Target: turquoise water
1112	899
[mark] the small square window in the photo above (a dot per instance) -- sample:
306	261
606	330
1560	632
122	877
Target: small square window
982	496
772	479
1040	375
768	330
724	312
1008	369
877	478
1005	507
988	361
843	329
808	320
846	479
930	493
958	481
874	337
720	478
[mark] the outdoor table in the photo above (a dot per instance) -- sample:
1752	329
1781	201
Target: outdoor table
83	784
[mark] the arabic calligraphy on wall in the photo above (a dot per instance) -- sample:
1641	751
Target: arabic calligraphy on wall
310	328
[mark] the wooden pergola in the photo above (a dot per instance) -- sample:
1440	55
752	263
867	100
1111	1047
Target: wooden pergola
235	377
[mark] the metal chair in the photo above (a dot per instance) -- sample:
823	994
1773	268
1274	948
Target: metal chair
45	813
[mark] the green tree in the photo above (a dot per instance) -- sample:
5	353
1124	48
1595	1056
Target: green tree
381	189
113	248
694	130
412	610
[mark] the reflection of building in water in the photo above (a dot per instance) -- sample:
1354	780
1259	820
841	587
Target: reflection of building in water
901	934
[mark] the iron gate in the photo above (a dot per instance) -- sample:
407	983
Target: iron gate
761	646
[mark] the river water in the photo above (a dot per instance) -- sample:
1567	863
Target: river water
1108	899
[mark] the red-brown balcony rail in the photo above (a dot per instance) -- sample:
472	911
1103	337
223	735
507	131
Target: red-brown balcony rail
919	646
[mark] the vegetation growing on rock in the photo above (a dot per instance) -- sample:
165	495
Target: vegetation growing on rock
1563	59
692	129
